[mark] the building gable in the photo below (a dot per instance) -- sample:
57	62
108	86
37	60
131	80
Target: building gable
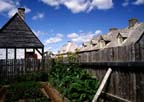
16	33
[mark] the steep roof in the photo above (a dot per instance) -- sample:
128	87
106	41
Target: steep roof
131	35
68	47
17	34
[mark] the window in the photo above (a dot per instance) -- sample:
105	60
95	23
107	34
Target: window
102	44
20	54
10	53
121	39
2	53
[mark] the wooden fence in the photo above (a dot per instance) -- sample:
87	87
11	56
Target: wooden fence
11	68
127	78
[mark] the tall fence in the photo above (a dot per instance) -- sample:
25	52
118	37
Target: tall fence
127	78
11	68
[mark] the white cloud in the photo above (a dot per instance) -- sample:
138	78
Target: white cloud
139	2
14	10
126	3
10	7
83	37
80	37
97	32
38	16
38	33
73	35
52	2
56	39
5	5
102	4
77	6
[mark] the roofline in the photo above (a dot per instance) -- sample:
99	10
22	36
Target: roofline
30	29
140	37
24	23
7	22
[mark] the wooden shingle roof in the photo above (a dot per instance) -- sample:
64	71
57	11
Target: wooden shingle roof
132	35
17	34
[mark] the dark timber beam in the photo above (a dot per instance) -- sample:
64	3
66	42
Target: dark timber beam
25	52
15	53
6	54
41	53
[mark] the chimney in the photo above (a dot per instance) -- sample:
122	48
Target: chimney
132	22
21	12
112	29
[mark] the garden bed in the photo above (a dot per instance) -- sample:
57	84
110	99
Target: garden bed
25	91
67	83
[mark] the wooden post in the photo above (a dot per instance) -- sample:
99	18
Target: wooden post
15	53
6	54
7	64
25	52
43	59
102	85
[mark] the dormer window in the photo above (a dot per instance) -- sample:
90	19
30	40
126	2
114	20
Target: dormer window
93	42
104	40
121	38
102	44
84	45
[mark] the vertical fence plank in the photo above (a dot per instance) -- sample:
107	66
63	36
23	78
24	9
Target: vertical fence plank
11	68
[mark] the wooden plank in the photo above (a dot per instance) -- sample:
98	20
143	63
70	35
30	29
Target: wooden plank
116	97
102	85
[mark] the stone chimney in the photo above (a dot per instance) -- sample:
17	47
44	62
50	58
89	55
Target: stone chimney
132	22
112	29
21	12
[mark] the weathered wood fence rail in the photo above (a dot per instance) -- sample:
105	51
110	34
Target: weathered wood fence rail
14	67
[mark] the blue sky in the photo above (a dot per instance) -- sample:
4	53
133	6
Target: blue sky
57	21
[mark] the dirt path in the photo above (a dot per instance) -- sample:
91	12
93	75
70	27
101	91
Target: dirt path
2	94
53	94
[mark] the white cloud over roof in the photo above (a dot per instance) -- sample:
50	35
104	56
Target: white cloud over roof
77	6
38	16
10	7
83	37
55	39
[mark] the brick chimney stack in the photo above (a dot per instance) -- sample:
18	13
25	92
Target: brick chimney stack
21	12
132	22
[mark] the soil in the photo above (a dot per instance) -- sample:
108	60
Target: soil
53	94
2	94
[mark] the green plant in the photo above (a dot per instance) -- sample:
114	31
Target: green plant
25	90
73	82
